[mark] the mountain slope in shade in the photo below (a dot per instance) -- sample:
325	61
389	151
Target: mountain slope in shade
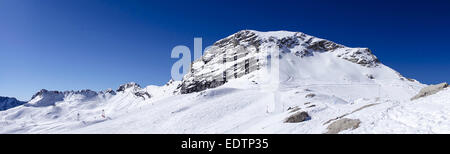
7	103
326	80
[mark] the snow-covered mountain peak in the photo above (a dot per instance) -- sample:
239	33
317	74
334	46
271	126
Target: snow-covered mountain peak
129	86
46	98
299	43
44	92
301	56
108	91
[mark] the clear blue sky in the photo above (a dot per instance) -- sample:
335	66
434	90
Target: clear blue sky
100	44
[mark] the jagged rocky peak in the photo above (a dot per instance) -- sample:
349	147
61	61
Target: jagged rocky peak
131	85
241	53
44	92
85	92
135	89
244	36
108	91
299	43
46	98
47	93
9	102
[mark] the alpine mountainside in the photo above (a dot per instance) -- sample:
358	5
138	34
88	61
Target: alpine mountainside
320	87
304	59
7	103
49	98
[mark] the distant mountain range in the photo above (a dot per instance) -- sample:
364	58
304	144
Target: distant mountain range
8	102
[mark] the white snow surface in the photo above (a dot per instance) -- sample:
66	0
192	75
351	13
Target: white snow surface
378	96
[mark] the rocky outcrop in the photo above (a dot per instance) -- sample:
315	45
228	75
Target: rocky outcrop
342	124
361	56
430	90
136	90
196	86
86	93
43	92
323	45
297	117
108	91
45	98
143	94
131	85
311	95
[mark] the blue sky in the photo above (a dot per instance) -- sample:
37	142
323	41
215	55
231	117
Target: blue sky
100	44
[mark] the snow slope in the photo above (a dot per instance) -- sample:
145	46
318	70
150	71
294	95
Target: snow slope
327	80
426	115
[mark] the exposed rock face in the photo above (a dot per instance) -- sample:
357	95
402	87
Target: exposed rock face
342	124
45	98
245	52
362	56
297	117
109	91
196	86
45	92
130	85
311	95
86	93
430	90
136	89
143	94
7	103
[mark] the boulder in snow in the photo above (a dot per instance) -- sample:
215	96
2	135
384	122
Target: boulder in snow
430	90
297	117
342	124
311	95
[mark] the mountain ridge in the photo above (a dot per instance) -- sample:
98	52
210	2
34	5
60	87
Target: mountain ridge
251	42
9	102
